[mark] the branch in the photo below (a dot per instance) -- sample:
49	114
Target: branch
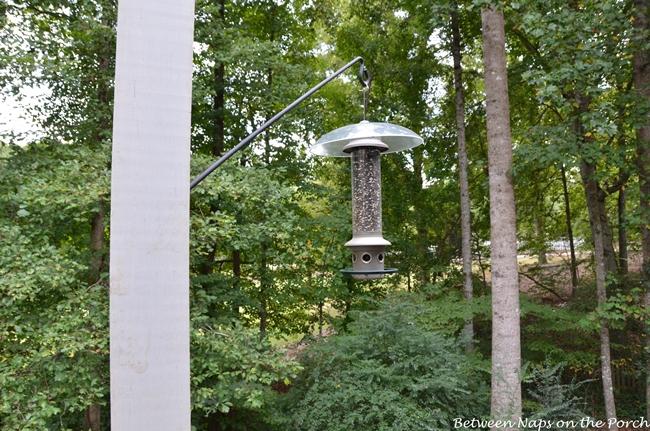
534	50
555	111
620	182
36	10
543	286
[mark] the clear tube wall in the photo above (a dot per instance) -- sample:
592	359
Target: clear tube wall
366	192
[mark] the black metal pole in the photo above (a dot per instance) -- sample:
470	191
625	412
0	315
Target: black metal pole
364	77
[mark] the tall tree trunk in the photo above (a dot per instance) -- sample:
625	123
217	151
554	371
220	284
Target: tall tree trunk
218	108
320	319
622	231
408	280
236	273
264	275
97	244
641	72
588	171
480	262
539	232
506	342
92	414
421	246
214	422
218	99
594	196
607	232
264	288
465	209
569	231
92	418
218	146
267	138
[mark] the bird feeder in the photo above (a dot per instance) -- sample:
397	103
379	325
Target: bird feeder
364	143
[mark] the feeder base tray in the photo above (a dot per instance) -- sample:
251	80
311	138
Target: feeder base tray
368	275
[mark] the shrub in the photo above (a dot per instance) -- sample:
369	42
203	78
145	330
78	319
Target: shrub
387	373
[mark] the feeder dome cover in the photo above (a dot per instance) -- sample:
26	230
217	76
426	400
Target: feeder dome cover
397	138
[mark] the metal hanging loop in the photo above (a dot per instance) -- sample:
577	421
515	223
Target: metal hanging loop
365	92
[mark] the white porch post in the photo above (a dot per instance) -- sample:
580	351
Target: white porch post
149	253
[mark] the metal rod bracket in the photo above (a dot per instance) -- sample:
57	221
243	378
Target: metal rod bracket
364	78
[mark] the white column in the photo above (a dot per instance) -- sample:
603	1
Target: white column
149	259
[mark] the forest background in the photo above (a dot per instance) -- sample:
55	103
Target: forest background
280	340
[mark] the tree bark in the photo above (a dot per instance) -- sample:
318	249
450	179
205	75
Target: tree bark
217	149
423	276
588	171
641	75
539	233
97	244
264	284
92	414
103	130
92	417
595	198
622	231
465	208
480	262
506	343
569	230
608	235
236	272
320	319
218	100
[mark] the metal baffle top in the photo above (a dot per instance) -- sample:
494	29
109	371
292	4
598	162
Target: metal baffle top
397	138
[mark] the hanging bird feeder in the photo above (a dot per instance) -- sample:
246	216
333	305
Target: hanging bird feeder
364	143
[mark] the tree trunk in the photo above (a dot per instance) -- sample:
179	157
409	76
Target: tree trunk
506	343
264	284
236	272
588	172
214	422
218	146
595	198
622	231
97	244
218	109
218	100
423	276
569	230
320	319
267	138
641	74
608	235
92	415
480	263
539	233
103	130
465	208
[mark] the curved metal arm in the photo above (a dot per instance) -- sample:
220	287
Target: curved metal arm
364	78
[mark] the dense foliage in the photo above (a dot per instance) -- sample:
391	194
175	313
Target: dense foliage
389	372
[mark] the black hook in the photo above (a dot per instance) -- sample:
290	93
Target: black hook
364	75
